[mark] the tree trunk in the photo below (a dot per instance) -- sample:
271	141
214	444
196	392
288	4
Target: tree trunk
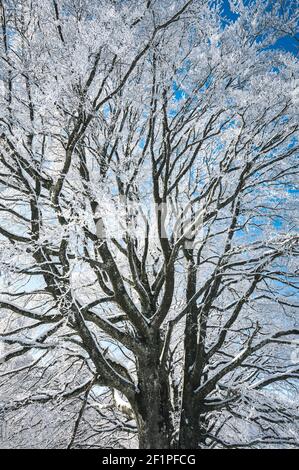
153	420
153	407
151	435
189	435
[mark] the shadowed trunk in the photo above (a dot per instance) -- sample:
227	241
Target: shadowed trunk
153	407
189	434
189	420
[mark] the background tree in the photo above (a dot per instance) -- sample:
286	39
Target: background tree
149	159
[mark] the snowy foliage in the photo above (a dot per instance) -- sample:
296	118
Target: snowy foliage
148	214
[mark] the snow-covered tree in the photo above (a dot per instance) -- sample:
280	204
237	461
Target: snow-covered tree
148	168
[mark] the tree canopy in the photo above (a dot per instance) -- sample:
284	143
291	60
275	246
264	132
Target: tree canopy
148	215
